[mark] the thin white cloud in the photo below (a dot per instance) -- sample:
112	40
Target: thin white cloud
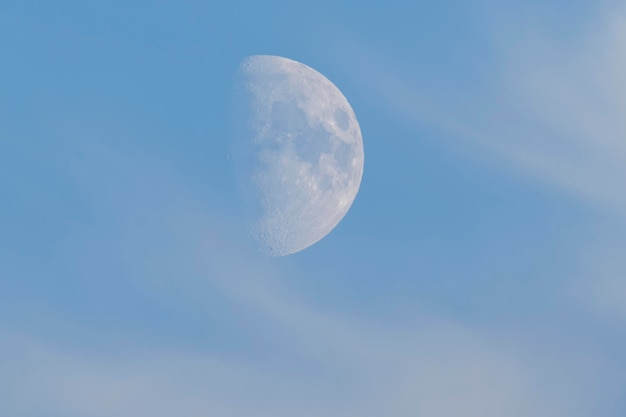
549	108
323	362
552	109
440	371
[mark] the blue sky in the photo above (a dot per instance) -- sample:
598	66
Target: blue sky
479	272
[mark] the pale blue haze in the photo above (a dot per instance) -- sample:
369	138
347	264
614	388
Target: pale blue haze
480	271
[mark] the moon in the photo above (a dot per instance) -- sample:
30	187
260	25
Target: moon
298	152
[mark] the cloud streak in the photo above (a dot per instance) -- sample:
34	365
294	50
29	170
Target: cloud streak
548	108
314	361
551	108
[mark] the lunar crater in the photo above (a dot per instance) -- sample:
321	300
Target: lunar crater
341	119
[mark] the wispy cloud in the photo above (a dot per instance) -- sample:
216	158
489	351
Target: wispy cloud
548	108
315	361
553	109
432	369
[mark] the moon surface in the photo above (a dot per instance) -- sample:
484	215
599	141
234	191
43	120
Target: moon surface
298	152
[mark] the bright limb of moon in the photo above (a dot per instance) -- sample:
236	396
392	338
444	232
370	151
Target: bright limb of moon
298	150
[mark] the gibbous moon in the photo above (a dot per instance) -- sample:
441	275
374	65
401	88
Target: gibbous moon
298	152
